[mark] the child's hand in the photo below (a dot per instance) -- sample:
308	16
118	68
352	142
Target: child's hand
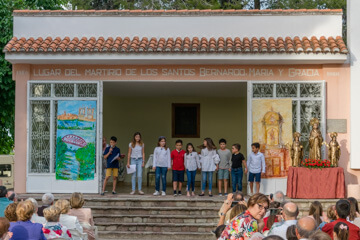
169	168
217	168
230	197
262	174
128	165
143	164
229	169
246	171
154	168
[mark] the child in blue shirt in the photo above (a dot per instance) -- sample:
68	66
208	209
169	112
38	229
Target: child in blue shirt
112	156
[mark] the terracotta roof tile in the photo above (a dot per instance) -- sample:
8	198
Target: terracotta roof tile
178	45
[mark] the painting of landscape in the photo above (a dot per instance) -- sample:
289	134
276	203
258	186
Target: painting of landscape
75	140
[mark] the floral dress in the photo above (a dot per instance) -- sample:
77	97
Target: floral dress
55	230
241	228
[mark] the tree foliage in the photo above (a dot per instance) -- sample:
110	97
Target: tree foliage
7	85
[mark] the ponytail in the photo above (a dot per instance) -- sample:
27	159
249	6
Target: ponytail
341	230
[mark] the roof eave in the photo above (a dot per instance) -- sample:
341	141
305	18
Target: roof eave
183	58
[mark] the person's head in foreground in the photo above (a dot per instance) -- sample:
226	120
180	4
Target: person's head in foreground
305	227
47	199
77	200
273	237
342	209
319	235
63	205
341	231
4	227
52	214
10	212
257	205
24	211
219	230
291	233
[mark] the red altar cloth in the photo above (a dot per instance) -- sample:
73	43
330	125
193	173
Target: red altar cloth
315	183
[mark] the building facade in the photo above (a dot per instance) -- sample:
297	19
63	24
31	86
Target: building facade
256	75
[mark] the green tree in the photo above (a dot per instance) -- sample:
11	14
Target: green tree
86	157
7	85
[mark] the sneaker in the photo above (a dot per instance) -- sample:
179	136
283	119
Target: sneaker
141	192
225	194
163	193
220	194
132	193
113	192
156	193
175	195
179	193
102	194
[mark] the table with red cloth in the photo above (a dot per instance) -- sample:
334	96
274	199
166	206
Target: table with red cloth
316	183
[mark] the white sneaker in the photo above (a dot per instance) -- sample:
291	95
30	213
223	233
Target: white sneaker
163	193
132	193
156	193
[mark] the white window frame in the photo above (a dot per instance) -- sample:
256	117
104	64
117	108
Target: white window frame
53	98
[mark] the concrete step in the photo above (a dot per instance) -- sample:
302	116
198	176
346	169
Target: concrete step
121	218
107	235
157	227
193	211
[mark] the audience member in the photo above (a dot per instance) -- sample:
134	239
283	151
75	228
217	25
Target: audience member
24	228
291	233
237	197
11	195
342	211
319	235
330	216
35	217
273	237
316	212
84	215
10	212
279	196
341	231
246	224
354	209
53	229
289	214
4	227
4	201
305	227
237	210
272	218
71	222
47	200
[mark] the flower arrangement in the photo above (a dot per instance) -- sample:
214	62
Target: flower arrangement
316	163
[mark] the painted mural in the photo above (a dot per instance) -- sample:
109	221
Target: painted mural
76	139
272	128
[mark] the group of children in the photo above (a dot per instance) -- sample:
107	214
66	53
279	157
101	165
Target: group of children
180	161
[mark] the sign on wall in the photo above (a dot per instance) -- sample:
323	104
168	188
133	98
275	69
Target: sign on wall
272	128
76	140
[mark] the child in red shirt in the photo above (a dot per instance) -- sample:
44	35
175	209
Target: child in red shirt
178	167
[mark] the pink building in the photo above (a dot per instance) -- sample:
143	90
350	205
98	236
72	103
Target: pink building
137	64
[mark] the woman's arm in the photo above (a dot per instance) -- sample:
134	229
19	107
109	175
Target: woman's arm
128	158
169	158
143	155
154	159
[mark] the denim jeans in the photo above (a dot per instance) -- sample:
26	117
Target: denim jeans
206	176
190	180
138	173
160	171
236	178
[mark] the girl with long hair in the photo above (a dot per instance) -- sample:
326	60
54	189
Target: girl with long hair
354	209
209	161
161	164
341	231
136	154
316	212
192	163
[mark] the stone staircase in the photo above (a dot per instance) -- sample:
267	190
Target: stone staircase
168	217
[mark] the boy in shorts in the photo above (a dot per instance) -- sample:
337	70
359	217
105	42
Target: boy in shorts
256	167
112	156
224	166
178	166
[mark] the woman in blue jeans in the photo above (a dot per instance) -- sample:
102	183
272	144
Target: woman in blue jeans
209	162
191	164
237	160
136	154
161	164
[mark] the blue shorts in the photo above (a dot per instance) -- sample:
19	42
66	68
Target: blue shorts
178	176
257	177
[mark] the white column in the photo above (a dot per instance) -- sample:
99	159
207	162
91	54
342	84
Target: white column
353	40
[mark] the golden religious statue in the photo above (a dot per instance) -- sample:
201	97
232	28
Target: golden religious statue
315	140
334	150
296	150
